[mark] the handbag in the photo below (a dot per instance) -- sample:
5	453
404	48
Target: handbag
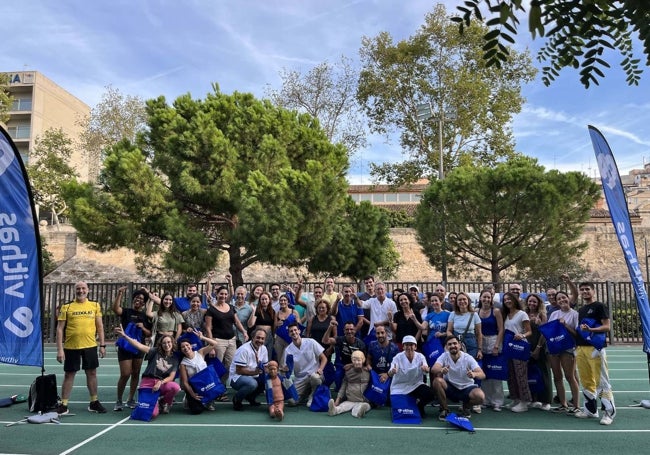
496	367
377	392
147	402
535	379
515	349
558	338
133	331
432	349
207	384
596	339
320	399
216	364
404	410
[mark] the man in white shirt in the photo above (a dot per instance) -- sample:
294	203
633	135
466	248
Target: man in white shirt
382	309
455	372
308	363
247	364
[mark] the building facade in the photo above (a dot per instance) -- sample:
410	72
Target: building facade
38	105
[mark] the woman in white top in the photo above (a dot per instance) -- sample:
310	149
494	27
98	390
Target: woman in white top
565	362
516	320
407	370
465	323
192	363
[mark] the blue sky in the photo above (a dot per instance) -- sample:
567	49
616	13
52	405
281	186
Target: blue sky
165	47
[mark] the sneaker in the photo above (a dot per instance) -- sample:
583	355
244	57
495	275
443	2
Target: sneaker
556	399
606	420
331	408
292	403
521	407
572	411
546	407
512	405
309	402
465	412
443	415
476	409
237	405
132	403
536	405
96	406
560	409
62	409
496	408
165	408
210	406
118	405
254	403
583	414
186	405
365	407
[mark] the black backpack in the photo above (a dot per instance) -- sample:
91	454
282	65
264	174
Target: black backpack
42	394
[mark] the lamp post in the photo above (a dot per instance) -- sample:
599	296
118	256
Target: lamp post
425	112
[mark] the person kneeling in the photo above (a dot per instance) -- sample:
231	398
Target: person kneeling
455	372
354	384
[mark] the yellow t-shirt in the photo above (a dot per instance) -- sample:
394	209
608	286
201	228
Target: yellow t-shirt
80	328
331	298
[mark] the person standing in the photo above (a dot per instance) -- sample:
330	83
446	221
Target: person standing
79	326
130	362
592	363
381	309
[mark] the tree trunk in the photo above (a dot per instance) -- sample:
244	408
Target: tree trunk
235	268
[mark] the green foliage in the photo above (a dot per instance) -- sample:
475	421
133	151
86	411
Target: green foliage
226	173
360	246
577	33
626	323
49	265
399	218
48	170
444	71
326	92
114	118
514	215
5	99
547	274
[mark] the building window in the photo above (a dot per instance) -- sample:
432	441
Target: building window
417	197
378	197
22	104
19	131
355	197
404	197
391	197
365	197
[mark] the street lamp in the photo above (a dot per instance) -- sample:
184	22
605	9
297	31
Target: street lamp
425	112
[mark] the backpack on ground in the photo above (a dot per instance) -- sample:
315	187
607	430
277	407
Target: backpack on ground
42	394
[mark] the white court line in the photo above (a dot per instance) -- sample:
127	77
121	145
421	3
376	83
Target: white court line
599	430
86	441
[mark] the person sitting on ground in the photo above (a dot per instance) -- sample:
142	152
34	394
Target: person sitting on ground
350	396
455	373
274	384
191	363
160	371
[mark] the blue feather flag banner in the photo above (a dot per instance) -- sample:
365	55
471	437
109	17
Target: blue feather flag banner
21	340
615	197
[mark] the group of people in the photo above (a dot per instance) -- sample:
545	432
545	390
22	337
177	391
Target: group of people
264	339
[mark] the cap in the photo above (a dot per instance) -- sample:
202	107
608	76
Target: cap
409	339
414	287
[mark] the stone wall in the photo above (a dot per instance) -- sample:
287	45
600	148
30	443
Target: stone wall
604	259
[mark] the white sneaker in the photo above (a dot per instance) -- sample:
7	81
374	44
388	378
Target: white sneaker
496	408
536	405
546	407
606	420
476	409
331	408
512	404
521	407
584	414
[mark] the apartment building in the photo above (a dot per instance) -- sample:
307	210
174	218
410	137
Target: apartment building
40	104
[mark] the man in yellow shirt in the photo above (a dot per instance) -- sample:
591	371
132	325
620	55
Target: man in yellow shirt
78	328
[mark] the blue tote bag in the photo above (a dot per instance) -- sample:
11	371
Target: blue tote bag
432	349
558	338
495	367
320	398
147	400
207	384
596	339
515	349
133	331
377	391
535	379
405	410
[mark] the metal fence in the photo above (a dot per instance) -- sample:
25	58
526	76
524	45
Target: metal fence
619	297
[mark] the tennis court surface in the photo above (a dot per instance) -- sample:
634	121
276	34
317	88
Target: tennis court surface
302	431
